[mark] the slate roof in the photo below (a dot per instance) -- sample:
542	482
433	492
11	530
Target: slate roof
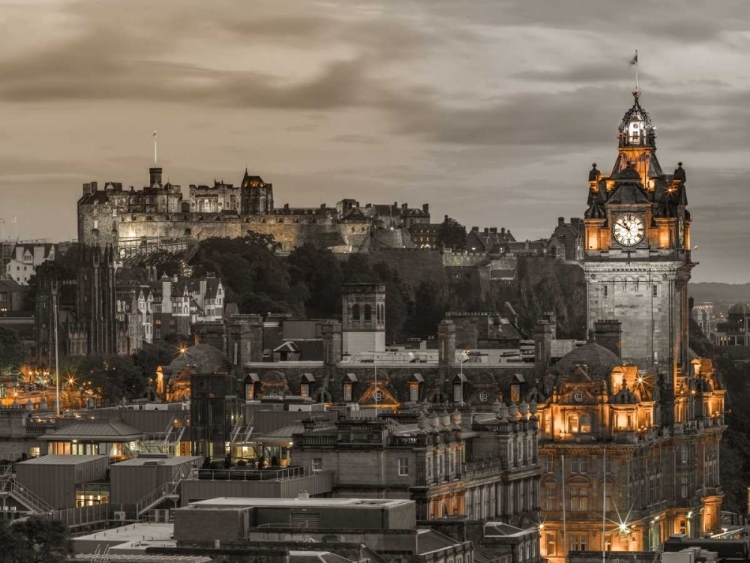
599	361
102	431
202	359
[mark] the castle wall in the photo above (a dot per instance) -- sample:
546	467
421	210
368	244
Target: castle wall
414	265
288	230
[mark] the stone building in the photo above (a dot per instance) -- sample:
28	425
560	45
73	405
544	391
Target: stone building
630	423
735	330
363	318
157	217
449	466
25	258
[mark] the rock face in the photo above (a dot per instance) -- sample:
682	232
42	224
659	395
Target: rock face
545	284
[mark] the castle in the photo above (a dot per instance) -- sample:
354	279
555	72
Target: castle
157	217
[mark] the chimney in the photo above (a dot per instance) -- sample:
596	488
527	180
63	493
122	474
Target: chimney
560	221
493	229
609	335
475	229
446	343
543	335
404	206
155	176
426	208
502	230
331	343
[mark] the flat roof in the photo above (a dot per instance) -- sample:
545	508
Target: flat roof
240	502
55	459
130	540
157	460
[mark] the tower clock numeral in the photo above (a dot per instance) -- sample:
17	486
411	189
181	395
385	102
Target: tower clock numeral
628	229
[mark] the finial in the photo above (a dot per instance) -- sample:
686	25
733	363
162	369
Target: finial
630	164
679	164
591	335
593	166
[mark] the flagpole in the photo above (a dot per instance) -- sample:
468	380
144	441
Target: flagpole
155	154
637	89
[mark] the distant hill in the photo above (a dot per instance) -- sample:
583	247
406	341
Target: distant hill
723	293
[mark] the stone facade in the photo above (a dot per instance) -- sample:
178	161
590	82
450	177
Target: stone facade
630	423
363	318
157	216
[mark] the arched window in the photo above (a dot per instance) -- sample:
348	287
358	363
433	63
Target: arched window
368	313
573	424
355	312
586	424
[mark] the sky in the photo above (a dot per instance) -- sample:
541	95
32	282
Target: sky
492	111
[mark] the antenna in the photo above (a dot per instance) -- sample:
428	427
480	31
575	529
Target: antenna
155	153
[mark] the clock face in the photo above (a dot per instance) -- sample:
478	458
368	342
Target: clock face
628	229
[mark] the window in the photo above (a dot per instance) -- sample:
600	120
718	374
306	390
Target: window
578	542
573	425
317	464
403	466
549	465
347	392
605	291
578	465
579	499
549	499
656	291
549	540
585	424
684	486
355	312
368	313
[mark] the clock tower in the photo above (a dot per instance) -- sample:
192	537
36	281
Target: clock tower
637	251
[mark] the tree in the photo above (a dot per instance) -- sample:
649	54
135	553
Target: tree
452	234
34	540
112	377
11	352
430	305
255	277
321	272
151	356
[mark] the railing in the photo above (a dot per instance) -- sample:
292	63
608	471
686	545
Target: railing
249	474
409	441
82	515
34	502
316	440
158	494
482	467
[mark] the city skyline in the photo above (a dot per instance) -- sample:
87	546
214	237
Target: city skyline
491	113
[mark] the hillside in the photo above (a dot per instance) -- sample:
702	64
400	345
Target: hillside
724	294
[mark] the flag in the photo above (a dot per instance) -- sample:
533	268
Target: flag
634	61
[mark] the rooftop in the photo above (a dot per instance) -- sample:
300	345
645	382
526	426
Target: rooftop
238	502
62	459
158	460
102	431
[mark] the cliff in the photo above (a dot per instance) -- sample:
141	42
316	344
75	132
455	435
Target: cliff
545	284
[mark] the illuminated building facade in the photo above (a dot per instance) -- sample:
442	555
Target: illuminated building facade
630	423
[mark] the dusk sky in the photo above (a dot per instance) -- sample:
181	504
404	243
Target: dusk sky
491	111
